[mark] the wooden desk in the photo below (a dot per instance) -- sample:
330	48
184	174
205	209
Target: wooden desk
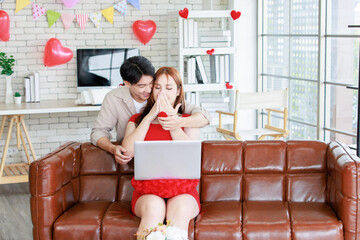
18	172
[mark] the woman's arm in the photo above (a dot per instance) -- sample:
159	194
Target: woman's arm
133	133
186	134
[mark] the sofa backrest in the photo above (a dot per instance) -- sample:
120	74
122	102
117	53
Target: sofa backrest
231	170
264	171
101	178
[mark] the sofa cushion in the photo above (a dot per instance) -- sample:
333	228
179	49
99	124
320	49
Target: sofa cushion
219	220
82	221
314	221
119	222
266	220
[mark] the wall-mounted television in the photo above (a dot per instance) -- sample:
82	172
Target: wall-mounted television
100	68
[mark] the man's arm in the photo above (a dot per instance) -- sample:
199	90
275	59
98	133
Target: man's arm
199	118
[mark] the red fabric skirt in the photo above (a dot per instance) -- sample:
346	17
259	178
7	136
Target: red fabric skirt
165	188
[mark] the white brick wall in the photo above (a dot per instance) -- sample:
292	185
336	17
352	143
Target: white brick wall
27	43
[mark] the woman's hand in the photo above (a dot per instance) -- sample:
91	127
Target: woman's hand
155	110
165	105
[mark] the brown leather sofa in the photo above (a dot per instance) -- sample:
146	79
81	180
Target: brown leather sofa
248	190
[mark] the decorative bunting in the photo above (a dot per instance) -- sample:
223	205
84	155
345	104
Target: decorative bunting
20	4
37	11
109	14
95	18
67	20
135	3
82	20
52	17
121	7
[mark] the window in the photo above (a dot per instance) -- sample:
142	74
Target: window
315	62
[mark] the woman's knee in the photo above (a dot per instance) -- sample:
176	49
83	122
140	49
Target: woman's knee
151	206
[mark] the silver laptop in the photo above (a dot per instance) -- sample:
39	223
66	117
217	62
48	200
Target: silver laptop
167	160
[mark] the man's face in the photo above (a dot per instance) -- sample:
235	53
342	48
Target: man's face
141	91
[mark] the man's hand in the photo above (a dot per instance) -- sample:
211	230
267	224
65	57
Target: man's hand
119	155
171	122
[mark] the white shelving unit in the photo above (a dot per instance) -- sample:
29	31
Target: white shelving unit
207	21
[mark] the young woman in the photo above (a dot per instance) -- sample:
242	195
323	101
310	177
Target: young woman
153	207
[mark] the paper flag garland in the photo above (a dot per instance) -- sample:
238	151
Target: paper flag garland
52	17
109	14
37	11
20	4
121	7
135	3
95	18
67	20
82	20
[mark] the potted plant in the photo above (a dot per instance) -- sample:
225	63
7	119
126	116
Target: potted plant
17	98
7	65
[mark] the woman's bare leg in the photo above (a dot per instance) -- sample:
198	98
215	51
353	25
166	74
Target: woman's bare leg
151	209
180	210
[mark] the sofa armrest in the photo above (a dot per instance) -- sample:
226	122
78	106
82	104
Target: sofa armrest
54	187
343	187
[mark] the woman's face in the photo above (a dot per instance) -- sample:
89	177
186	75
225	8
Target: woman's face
165	84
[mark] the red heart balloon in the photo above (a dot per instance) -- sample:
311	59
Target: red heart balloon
55	53
162	114
228	85
184	13
210	52
235	15
144	30
4	26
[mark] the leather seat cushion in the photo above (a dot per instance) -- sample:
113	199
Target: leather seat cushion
219	220
82	221
266	220
119	222
312	220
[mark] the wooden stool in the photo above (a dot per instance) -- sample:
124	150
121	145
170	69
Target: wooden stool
17	172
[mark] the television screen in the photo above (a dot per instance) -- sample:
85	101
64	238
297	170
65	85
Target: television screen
99	68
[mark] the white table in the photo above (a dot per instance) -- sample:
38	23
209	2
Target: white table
14	173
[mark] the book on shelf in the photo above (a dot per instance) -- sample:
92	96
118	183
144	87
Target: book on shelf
32	87
191	32
27	89
214	99
215	105
195	33
216	39
222	69
215	33
186	34
198	75
36	87
227	68
201	69
215	44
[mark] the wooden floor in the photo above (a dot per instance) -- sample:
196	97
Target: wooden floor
15	218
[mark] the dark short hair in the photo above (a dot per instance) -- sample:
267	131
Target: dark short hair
134	68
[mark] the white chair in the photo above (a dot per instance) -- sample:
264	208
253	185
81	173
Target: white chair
273	101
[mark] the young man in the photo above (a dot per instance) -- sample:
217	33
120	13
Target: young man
123	102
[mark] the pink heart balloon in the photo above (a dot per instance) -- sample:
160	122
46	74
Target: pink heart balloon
70	3
144	30
4	26
55	53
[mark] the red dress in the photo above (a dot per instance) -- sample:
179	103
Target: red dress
165	188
